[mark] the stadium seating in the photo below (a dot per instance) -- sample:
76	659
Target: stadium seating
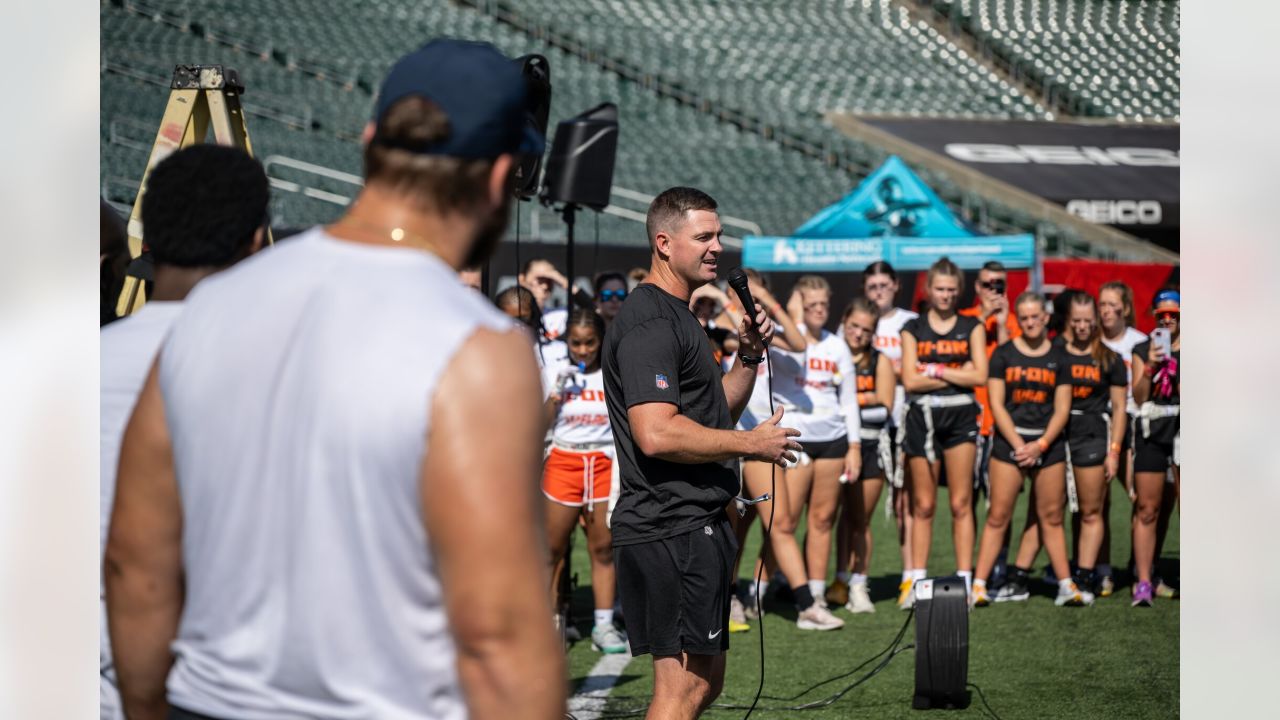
661	143
792	61
1106	58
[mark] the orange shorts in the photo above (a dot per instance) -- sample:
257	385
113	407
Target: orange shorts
576	479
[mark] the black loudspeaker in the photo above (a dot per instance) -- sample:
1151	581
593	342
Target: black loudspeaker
580	167
942	644
537	77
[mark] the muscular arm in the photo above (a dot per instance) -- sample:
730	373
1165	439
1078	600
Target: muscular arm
975	374
660	431
482	512
143	566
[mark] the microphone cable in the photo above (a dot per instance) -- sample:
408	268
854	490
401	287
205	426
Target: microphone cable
764	540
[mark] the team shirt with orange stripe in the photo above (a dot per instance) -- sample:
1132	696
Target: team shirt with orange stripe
950	348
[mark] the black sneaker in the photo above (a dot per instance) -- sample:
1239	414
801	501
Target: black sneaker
1086	580
1014	588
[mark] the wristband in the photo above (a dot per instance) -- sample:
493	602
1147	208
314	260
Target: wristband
1044	446
750	360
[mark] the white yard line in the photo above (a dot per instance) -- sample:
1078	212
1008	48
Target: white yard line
589	701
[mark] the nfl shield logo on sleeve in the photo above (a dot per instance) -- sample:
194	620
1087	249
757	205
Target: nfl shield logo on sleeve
661	381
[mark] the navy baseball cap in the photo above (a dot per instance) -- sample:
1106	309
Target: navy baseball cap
480	90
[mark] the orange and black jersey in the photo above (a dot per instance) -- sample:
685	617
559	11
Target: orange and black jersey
1029	383
949	348
1090	384
868	403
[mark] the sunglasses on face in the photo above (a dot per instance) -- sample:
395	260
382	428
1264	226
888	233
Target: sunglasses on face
996	285
607	295
1167	316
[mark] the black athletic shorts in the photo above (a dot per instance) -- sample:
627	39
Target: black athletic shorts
1001	450
1155	452
872	468
675	592
1089	439
827	450
952	426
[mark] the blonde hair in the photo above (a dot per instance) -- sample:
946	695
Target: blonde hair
944	266
861	304
812	282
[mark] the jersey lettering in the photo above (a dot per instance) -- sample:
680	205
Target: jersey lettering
1086	372
1043	376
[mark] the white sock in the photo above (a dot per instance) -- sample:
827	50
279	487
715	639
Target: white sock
979	583
907	574
818	588
604	617
757	589
857	579
843	577
919	573
1065	584
968	579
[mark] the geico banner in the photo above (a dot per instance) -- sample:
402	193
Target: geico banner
788	254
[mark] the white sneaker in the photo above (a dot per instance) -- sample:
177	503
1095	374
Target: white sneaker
859	600
817	617
607	639
1070	595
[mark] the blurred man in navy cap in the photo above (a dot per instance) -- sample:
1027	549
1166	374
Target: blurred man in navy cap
329	486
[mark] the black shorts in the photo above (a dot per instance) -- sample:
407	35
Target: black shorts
675	592
872	467
952	426
1155	452
1088	437
827	450
1001	450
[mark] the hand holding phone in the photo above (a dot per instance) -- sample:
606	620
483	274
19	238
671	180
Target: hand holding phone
1161	338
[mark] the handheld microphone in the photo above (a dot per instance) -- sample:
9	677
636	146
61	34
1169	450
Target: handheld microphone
738	281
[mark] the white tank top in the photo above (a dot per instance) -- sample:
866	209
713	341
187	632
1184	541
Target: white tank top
1123	346
817	387
297	390
888	341
583	416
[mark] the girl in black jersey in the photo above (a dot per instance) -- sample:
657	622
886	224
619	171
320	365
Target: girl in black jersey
875	385
1030	401
944	357
1157	389
1095	433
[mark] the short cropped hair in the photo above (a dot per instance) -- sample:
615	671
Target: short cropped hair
202	206
671	206
993	266
432	183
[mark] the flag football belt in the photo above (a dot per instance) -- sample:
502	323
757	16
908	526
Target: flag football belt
600	446
1072	498
927	403
1149	411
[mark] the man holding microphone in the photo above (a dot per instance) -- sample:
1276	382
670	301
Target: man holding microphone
673	413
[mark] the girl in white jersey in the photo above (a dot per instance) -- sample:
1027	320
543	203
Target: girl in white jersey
875	385
758	479
817	386
880	284
577	476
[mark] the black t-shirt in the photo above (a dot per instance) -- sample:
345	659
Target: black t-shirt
655	351
949	348
1143	350
1029	383
1090	384
866	385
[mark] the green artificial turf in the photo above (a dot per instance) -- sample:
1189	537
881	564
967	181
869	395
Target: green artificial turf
1030	659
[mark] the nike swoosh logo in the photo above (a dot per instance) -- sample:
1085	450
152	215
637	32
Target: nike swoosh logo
712	635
